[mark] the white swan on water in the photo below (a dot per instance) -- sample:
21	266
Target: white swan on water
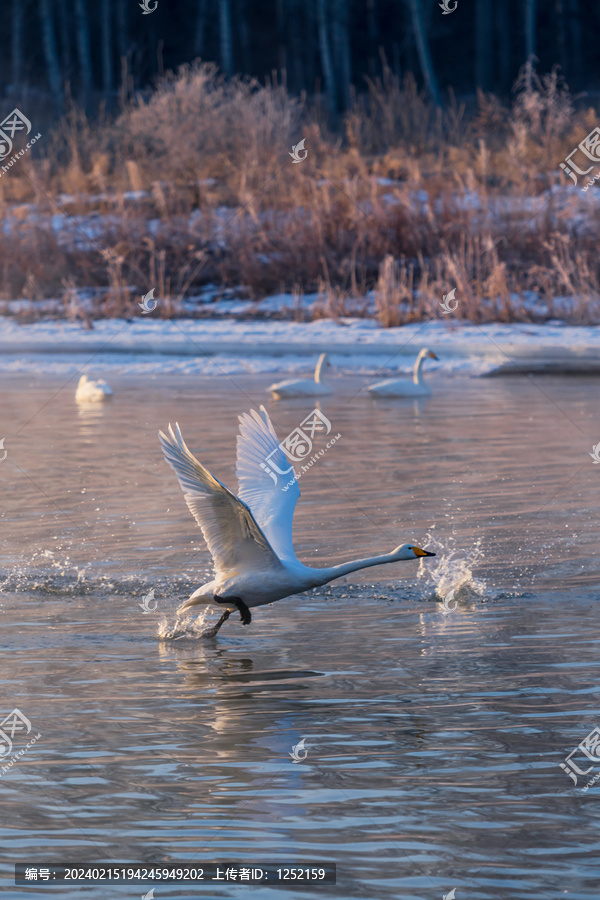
250	535
89	391
403	387
303	387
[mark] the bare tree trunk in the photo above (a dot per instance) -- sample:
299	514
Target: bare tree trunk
576	34
373	35
423	50
225	36
529	28
105	37
244	33
282	61
17	46
561	34
341	44
326	64
503	28
83	49
51	54
483	44
122	38
152	51
65	39
310	45
200	28
297	46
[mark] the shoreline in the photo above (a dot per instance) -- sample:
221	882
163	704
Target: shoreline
357	345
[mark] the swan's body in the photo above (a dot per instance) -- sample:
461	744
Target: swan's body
303	387
89	391
250	536
404	387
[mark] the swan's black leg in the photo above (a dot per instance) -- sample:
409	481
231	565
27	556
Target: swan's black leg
245	614
212	632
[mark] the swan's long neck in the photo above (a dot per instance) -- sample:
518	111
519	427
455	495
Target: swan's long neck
325	575
319	367
417	373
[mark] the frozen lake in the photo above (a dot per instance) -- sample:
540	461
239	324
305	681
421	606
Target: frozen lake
434	739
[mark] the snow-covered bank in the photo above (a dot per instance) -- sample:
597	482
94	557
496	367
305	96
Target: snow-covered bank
354	345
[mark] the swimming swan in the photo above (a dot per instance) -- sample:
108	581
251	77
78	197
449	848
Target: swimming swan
92	391
402	387
303	387
250	536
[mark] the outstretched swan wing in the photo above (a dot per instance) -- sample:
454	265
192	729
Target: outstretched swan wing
230	530
259	468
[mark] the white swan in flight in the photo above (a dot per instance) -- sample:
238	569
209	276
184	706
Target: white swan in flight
303	387
403	387
89	391
249	536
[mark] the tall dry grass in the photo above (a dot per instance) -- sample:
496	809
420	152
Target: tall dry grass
193	184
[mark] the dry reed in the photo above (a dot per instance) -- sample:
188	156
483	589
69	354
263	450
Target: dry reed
193	184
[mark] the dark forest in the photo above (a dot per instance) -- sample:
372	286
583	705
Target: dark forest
100	52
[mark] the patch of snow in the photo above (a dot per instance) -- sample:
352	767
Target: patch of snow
228	346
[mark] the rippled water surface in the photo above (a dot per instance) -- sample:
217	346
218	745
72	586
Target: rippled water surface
434	738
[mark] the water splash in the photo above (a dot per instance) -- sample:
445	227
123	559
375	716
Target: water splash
452	570
46	571
54	573
184	626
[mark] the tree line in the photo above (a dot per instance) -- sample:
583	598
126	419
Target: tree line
99	52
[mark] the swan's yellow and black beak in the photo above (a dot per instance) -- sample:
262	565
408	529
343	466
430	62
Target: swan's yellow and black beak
433	356
420	552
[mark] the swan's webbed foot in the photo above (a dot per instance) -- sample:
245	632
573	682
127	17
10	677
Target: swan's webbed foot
212	632
245	614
